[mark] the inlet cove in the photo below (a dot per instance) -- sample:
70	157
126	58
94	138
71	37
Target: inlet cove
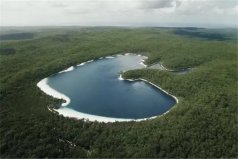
96	91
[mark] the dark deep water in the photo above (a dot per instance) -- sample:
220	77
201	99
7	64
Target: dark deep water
94	89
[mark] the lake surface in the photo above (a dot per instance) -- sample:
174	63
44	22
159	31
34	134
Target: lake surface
94	88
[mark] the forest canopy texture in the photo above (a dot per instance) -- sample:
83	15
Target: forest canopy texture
202	124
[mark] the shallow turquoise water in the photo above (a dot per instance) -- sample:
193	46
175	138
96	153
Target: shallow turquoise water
94	89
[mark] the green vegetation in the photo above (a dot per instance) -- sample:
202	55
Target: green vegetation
17	36
203	124
220	34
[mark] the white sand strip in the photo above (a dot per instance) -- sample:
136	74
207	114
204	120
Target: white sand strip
143	64
81	64
43	85
143	60
67	70
109	57
89	61
67	112
120	77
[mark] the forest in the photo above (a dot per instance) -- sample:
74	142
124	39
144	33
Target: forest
203	124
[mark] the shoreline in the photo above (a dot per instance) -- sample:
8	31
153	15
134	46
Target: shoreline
141	79
52	92
71	68
68	112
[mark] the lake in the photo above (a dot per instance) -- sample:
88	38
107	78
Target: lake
95	89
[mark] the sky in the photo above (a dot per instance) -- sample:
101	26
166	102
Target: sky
193	13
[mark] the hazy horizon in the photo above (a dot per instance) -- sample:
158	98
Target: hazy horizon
119	13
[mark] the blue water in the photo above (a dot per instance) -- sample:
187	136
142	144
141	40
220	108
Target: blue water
94	89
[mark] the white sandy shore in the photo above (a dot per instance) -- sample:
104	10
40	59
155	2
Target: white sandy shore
83	63
67	112
67	70
43	85
89	61
143	60
120	77
143	64
109	57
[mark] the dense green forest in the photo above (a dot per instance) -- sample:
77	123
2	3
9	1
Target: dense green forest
203	124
